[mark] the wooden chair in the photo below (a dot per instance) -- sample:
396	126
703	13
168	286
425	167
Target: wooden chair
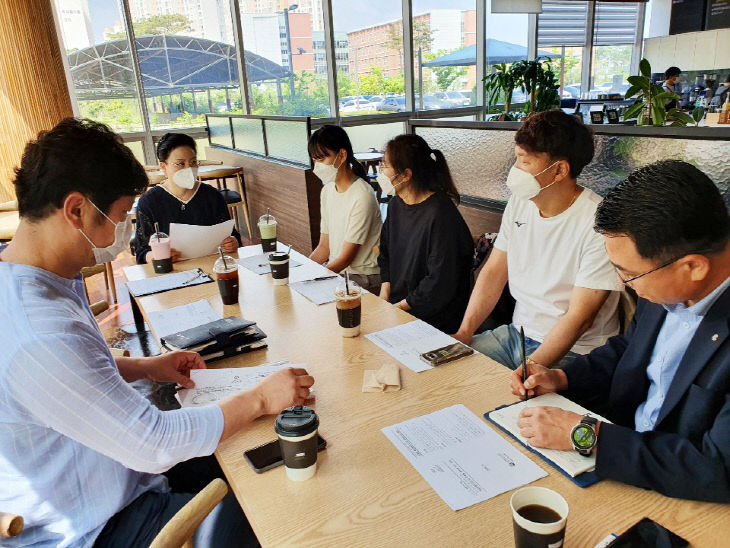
9	220
179	531
108	271
11	525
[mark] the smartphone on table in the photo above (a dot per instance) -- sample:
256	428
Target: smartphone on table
446	354
268	456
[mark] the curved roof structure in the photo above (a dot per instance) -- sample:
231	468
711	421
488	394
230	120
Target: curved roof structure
169	64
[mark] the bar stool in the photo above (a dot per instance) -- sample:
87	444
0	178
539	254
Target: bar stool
234	198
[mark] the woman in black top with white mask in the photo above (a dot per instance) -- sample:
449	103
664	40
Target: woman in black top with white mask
425	246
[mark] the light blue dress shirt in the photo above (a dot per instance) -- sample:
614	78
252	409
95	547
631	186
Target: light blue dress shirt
77	442
680	325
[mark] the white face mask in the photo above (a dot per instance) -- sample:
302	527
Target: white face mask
327	173
386	185
122	234
525	185
186	178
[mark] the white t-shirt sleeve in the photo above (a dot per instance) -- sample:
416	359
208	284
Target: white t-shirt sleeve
323	211
505	229
359	220
595	270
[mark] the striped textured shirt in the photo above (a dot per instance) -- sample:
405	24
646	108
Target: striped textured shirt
77	442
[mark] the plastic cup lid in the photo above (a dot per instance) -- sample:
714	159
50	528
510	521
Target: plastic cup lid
278	256
295	421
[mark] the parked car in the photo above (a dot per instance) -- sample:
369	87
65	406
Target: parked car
357	105
452	98
392	104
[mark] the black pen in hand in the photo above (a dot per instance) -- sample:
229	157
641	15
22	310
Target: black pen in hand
524	361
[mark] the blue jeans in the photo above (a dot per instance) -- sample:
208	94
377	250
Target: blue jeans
503	346
139	522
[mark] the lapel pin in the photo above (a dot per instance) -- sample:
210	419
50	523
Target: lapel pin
715	337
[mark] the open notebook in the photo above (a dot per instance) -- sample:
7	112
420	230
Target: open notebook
569	462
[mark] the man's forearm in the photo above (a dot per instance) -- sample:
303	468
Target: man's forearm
560	339
320	254
131	369
240	410
483	299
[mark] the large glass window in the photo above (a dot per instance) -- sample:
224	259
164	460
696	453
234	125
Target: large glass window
444	53
286	63
615	29
100	62
374	82
187	59
506	36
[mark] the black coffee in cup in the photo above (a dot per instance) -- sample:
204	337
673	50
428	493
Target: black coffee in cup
539	517
297	430
279	263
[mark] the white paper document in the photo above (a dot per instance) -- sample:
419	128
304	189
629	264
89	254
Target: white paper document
570	461
197	240
259	264
461	457
180	318
408	341
213	385
167	282
319	291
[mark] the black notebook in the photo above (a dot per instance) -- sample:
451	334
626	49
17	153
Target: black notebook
224	332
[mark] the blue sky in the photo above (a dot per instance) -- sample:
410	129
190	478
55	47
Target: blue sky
348	14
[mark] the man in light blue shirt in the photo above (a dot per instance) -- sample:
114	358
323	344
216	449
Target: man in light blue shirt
78	445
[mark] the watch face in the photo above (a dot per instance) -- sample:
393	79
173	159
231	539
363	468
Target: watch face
584	437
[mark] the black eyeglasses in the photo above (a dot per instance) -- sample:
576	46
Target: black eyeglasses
627	281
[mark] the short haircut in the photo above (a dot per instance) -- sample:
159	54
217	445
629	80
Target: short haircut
77	155
672	71
559	135
669	209
170	141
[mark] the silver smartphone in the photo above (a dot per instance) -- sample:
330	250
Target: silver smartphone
446	354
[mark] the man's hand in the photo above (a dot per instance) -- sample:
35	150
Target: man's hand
175	255
403	305
463	336
385	291
548	427
173	367
283	389
229	245
541	380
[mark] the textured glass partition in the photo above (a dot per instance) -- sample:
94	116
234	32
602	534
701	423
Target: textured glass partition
248	135
287	139
220	131
364	138
480	159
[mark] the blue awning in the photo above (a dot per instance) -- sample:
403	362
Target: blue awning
497	52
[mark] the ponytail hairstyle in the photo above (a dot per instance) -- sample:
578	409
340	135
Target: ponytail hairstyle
332	139
428	166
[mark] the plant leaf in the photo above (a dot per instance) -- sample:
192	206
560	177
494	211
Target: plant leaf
633	90
643	83
658	114
645	68
697	114
681	118
633	110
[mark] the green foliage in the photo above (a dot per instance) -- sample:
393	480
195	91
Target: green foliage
538	79
445	76
174	23
500	84
649	107
376	83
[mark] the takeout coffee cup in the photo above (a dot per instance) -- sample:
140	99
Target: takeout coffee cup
297	430
539	517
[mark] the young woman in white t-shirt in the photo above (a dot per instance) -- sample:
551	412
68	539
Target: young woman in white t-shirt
351	222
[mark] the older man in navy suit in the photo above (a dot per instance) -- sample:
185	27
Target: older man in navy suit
665	384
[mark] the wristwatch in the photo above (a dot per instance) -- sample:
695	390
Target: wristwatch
583	435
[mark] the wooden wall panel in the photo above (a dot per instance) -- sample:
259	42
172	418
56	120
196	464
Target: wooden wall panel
479	220
33	89
291	192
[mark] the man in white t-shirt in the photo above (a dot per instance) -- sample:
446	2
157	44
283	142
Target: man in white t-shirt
566	290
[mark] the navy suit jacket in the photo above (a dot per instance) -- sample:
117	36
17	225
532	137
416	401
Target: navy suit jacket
687	455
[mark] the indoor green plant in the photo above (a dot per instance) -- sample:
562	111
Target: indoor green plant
501	82
537	78
649	107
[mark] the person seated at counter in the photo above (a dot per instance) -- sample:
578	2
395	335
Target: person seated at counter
180	198
350	223
671	79
565	289
86	459
425	247
665	384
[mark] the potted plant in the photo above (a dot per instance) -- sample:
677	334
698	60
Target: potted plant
651	100
537	78
500	82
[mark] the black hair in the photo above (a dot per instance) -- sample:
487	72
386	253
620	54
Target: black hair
428	166
78	155
669	209
671	72
559	135
170	141
330	138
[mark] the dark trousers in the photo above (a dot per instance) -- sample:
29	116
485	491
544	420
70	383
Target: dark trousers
138	524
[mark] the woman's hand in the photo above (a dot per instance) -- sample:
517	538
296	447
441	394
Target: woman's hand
229	245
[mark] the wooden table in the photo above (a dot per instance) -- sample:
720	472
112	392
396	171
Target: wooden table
365	493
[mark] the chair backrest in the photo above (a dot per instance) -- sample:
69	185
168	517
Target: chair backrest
179	531
11	525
